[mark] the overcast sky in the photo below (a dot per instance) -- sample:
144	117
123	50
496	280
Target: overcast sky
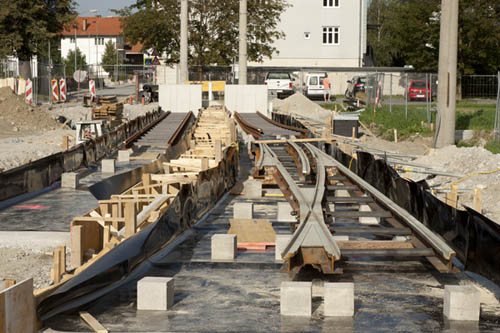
103	6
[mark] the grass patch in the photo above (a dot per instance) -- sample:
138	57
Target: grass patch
469	117
493	146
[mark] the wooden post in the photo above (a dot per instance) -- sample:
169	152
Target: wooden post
218	151
353	133
76	245
204	163
65	143
56	268
146	181
106	236
395	135
478	200
452	196
432	127
130	219
62	262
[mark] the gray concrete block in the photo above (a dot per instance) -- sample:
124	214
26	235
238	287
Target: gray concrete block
280	244
224	247
243	210
285	213
155	293
124	156
339	299
296	298
343	238
368	220
70	180
253	189
108	166
461	303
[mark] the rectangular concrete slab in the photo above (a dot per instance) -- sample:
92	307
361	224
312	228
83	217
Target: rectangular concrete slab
339	299
284	213
123	156
223	247
108	166
70	180
368	220
253	189
281	243
246	98
296	298
180	98
461	303
243	210
155	293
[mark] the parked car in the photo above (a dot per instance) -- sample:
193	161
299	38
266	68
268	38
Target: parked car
419	90
313	87
280	83
355	85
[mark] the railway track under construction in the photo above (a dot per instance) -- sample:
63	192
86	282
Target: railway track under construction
339	215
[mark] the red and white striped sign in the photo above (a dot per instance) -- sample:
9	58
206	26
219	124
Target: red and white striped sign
29	91
62	89
55	91
92	88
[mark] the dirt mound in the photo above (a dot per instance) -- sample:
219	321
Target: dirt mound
19	119
301	105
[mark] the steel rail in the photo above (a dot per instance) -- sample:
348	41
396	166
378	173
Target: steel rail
180	129
278	124
247	127
312	231
304	161
436	242
138	134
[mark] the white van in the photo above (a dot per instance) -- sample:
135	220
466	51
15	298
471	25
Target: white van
314	85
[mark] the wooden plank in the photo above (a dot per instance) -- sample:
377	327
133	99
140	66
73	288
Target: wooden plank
62	262
375	244
17	308
218	151
146	182
130	219
76	245
252	230
56	267
92	322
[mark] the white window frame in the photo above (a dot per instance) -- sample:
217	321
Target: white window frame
331	3
332	36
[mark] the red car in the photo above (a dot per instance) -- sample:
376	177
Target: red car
418	90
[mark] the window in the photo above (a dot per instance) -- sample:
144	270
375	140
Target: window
72	40
99	41
307	35
330	35
331	3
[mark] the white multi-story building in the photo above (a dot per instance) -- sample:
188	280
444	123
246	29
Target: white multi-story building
321	33
90	36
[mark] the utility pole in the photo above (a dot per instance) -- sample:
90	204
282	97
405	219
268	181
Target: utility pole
447	76
184	74
242	67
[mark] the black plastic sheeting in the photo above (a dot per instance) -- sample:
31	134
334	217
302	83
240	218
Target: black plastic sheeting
474	237
118	264
41	173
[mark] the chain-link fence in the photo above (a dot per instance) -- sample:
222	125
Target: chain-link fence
479	86
497	113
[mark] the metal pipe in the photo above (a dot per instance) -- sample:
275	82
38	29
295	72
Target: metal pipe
427	171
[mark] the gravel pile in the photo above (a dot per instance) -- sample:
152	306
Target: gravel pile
300	105
466	161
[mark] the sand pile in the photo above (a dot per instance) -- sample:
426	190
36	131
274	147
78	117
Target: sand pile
466	161
18	118
301	105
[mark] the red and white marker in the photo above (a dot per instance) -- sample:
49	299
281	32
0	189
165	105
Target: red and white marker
55	91
29	91
92	88
62	90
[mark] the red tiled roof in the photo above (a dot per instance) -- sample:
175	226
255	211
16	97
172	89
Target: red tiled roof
137	48
102	26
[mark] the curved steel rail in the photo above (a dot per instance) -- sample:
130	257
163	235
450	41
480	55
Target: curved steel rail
247	127
305	166
287	127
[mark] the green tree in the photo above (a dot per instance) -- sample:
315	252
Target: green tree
70	61
213	29
110	58
27	25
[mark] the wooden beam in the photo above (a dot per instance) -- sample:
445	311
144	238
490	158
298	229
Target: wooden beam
130	219
92	322
76	245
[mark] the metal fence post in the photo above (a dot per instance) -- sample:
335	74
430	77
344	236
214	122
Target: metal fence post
497	114
428	98
406	95
390	95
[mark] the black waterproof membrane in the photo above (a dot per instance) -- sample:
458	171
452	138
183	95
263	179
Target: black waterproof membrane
118	265
42	173
474	237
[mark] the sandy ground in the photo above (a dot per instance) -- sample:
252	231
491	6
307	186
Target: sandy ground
21	264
